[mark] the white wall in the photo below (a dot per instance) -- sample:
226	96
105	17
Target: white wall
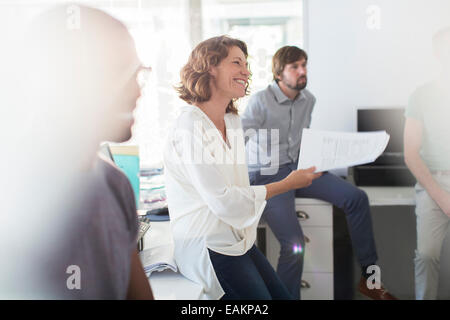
351	65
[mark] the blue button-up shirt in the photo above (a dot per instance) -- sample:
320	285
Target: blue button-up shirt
273	125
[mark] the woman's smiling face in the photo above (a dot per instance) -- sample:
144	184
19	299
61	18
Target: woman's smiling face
230	76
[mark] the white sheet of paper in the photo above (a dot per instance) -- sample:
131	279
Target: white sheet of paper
158	259
327	150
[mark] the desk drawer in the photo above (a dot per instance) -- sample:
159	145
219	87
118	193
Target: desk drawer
315	215
317	286
318	249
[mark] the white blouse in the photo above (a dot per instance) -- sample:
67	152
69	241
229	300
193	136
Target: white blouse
211	202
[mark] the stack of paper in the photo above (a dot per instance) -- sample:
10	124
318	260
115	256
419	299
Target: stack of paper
158	259
328	150
153	191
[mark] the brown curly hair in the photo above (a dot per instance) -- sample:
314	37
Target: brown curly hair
195	77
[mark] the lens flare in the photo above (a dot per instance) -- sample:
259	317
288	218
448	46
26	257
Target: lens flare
297	249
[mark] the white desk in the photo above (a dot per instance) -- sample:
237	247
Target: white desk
390	196
168	285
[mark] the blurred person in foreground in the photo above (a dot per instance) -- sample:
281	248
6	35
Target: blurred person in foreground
427	155
74	232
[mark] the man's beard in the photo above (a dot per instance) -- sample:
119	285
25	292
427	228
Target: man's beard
297	86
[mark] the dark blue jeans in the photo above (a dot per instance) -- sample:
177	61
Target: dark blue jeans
281	217
248	277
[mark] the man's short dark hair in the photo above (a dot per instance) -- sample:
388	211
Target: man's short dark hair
284	56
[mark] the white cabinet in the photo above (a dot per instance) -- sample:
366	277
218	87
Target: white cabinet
319	286
316	219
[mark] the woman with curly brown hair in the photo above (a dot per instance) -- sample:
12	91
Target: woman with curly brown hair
213	209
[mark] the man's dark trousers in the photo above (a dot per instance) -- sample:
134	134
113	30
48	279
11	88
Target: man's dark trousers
281	217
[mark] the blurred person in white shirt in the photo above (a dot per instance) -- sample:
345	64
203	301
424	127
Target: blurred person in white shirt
427	155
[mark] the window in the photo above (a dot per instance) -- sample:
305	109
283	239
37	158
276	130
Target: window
165	32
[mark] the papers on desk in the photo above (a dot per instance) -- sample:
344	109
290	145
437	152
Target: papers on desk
158	259
328	150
